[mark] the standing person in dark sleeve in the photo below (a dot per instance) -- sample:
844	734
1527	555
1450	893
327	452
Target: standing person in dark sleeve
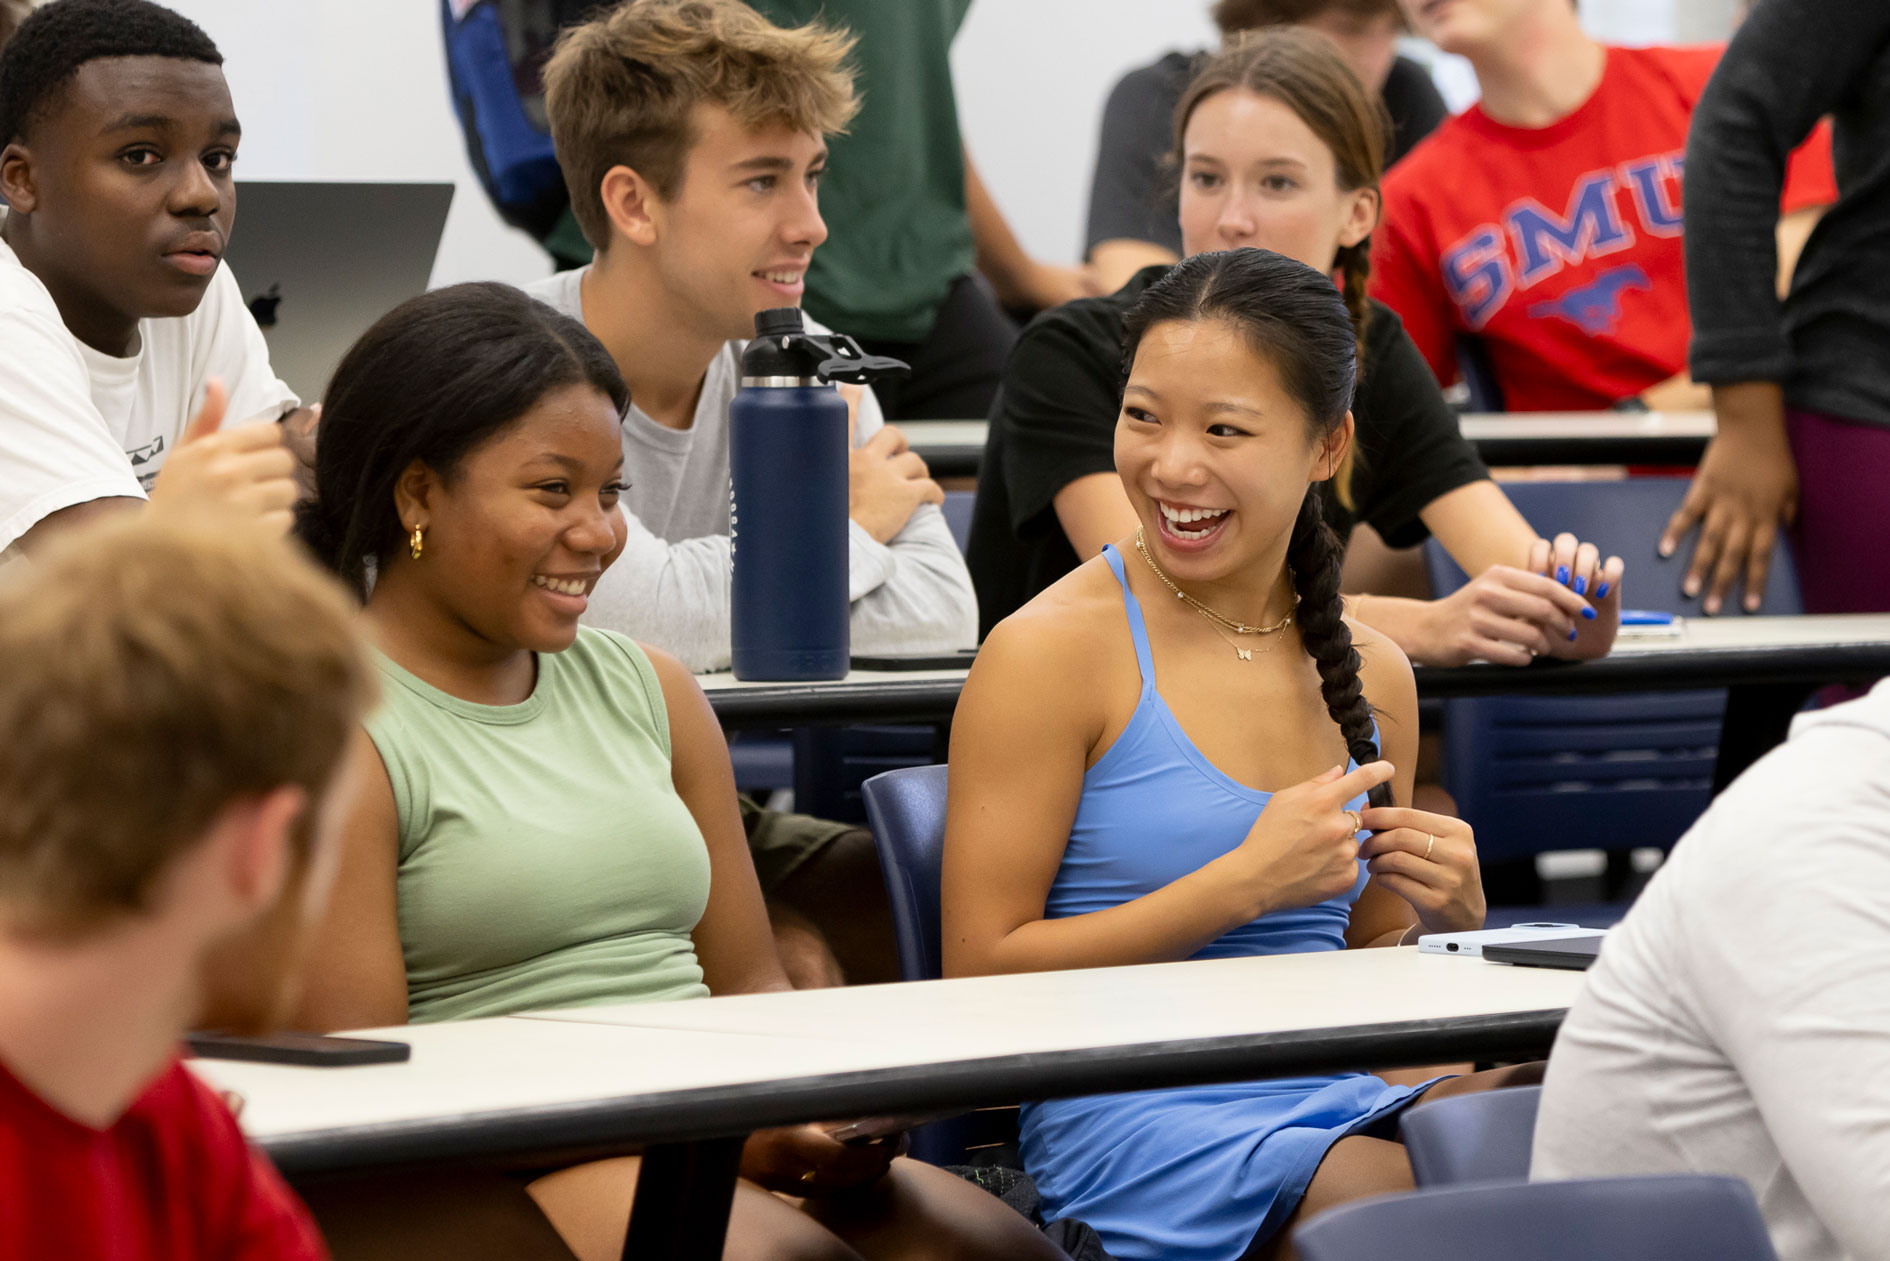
1281	150
1802	388
919	262
1132	220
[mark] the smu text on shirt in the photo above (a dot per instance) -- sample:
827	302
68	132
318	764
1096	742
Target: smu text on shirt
1608	211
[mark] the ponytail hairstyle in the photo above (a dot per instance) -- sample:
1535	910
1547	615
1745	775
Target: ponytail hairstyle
1291	316
433	379
1305	72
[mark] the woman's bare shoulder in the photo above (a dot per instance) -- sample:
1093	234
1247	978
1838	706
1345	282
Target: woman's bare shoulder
1385	672
1061	637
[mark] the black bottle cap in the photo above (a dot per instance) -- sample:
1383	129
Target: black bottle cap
782	348
782	321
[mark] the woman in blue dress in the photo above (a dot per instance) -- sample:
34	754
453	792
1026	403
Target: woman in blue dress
1168	754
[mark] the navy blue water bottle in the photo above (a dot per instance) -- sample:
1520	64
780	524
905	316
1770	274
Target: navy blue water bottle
787	460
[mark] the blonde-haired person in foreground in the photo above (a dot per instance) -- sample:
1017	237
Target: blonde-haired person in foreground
693	137
174	710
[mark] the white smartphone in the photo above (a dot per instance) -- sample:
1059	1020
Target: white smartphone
1472	943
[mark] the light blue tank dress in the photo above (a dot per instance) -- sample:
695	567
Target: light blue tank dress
1198	1173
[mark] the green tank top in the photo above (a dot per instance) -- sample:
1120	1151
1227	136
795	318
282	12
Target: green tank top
545	858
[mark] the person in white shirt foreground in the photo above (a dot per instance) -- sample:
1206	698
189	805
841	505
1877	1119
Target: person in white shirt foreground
1738	1021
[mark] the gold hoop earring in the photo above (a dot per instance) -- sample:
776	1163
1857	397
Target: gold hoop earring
416	544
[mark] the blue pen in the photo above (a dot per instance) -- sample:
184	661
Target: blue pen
1645	617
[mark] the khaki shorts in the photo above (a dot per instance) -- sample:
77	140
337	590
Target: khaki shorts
779	843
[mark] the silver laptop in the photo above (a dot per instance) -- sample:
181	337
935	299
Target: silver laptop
320	262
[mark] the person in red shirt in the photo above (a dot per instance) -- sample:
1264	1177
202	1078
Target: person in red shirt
1544	222
174	713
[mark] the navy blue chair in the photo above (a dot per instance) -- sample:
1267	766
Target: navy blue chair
1534	774
1682	1217
957	509
763	761
1480	1137
906	809
1479	376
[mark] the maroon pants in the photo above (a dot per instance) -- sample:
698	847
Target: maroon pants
1841	543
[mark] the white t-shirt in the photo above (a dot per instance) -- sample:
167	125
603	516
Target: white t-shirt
1738	1020
77	425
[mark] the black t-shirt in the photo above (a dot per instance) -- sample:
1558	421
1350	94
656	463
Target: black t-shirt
1135	194
1054	420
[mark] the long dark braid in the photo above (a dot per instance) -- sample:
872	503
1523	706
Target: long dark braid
1296	319
1314	557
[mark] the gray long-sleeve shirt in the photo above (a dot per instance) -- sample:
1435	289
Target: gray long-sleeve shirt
1828	344
671	586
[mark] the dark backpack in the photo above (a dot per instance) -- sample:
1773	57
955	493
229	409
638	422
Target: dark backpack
495	58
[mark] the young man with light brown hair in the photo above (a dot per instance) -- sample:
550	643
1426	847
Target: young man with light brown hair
176	702
692	136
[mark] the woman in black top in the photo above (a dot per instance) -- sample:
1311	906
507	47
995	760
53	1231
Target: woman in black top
1282	150
1132	195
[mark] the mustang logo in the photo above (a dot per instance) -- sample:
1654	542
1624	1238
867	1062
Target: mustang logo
1595	308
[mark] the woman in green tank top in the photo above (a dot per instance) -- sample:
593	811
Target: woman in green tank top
551	819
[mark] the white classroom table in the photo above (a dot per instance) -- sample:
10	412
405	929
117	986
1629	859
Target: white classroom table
686	1082
955	448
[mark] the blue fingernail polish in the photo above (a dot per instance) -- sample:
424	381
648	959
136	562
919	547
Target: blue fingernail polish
1581	585
1588	611
1561	573
1571	637
1601	592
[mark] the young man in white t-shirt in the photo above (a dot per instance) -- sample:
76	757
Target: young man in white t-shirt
118	321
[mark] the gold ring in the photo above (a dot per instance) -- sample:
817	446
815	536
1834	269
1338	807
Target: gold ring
1430	843
1358	820
807	1178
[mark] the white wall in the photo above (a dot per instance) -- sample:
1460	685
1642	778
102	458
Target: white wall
356	90
1032	76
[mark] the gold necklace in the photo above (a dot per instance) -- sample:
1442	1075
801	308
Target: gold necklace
1215	620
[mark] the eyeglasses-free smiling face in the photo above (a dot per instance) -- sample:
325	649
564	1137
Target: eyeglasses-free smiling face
1254	174
1214	453
515	539
741	231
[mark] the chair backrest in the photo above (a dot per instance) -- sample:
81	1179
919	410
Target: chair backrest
1480	1137
1625	518
1682	1217
906	809
1479	377
1534	774
957	509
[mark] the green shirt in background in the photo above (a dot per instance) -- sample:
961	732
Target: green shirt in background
545	858
893	194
